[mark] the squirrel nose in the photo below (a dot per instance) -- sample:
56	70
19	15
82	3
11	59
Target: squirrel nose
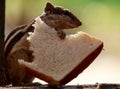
79	23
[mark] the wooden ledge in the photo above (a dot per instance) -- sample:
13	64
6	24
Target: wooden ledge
95	86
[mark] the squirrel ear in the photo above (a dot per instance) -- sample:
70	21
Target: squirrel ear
49	8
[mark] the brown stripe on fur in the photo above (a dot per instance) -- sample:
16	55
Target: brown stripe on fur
24	30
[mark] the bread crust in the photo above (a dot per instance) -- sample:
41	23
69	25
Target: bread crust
84	64
74	73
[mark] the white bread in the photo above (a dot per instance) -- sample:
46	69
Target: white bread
56	60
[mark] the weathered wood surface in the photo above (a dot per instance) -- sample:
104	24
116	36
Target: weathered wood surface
95	86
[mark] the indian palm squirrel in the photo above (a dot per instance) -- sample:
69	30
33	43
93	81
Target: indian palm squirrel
17	45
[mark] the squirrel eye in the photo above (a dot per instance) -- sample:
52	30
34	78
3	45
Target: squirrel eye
66	12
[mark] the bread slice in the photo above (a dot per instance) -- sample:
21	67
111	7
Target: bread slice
59	61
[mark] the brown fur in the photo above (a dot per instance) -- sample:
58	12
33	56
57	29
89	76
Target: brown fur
60	19
15	71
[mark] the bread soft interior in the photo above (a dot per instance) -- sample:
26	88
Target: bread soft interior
55	57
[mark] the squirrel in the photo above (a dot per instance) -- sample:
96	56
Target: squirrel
17	46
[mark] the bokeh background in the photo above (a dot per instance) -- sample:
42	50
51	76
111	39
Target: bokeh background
100	18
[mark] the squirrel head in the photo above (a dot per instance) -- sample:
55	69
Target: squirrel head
59	18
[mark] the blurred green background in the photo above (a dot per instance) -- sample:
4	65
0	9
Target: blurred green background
100	18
